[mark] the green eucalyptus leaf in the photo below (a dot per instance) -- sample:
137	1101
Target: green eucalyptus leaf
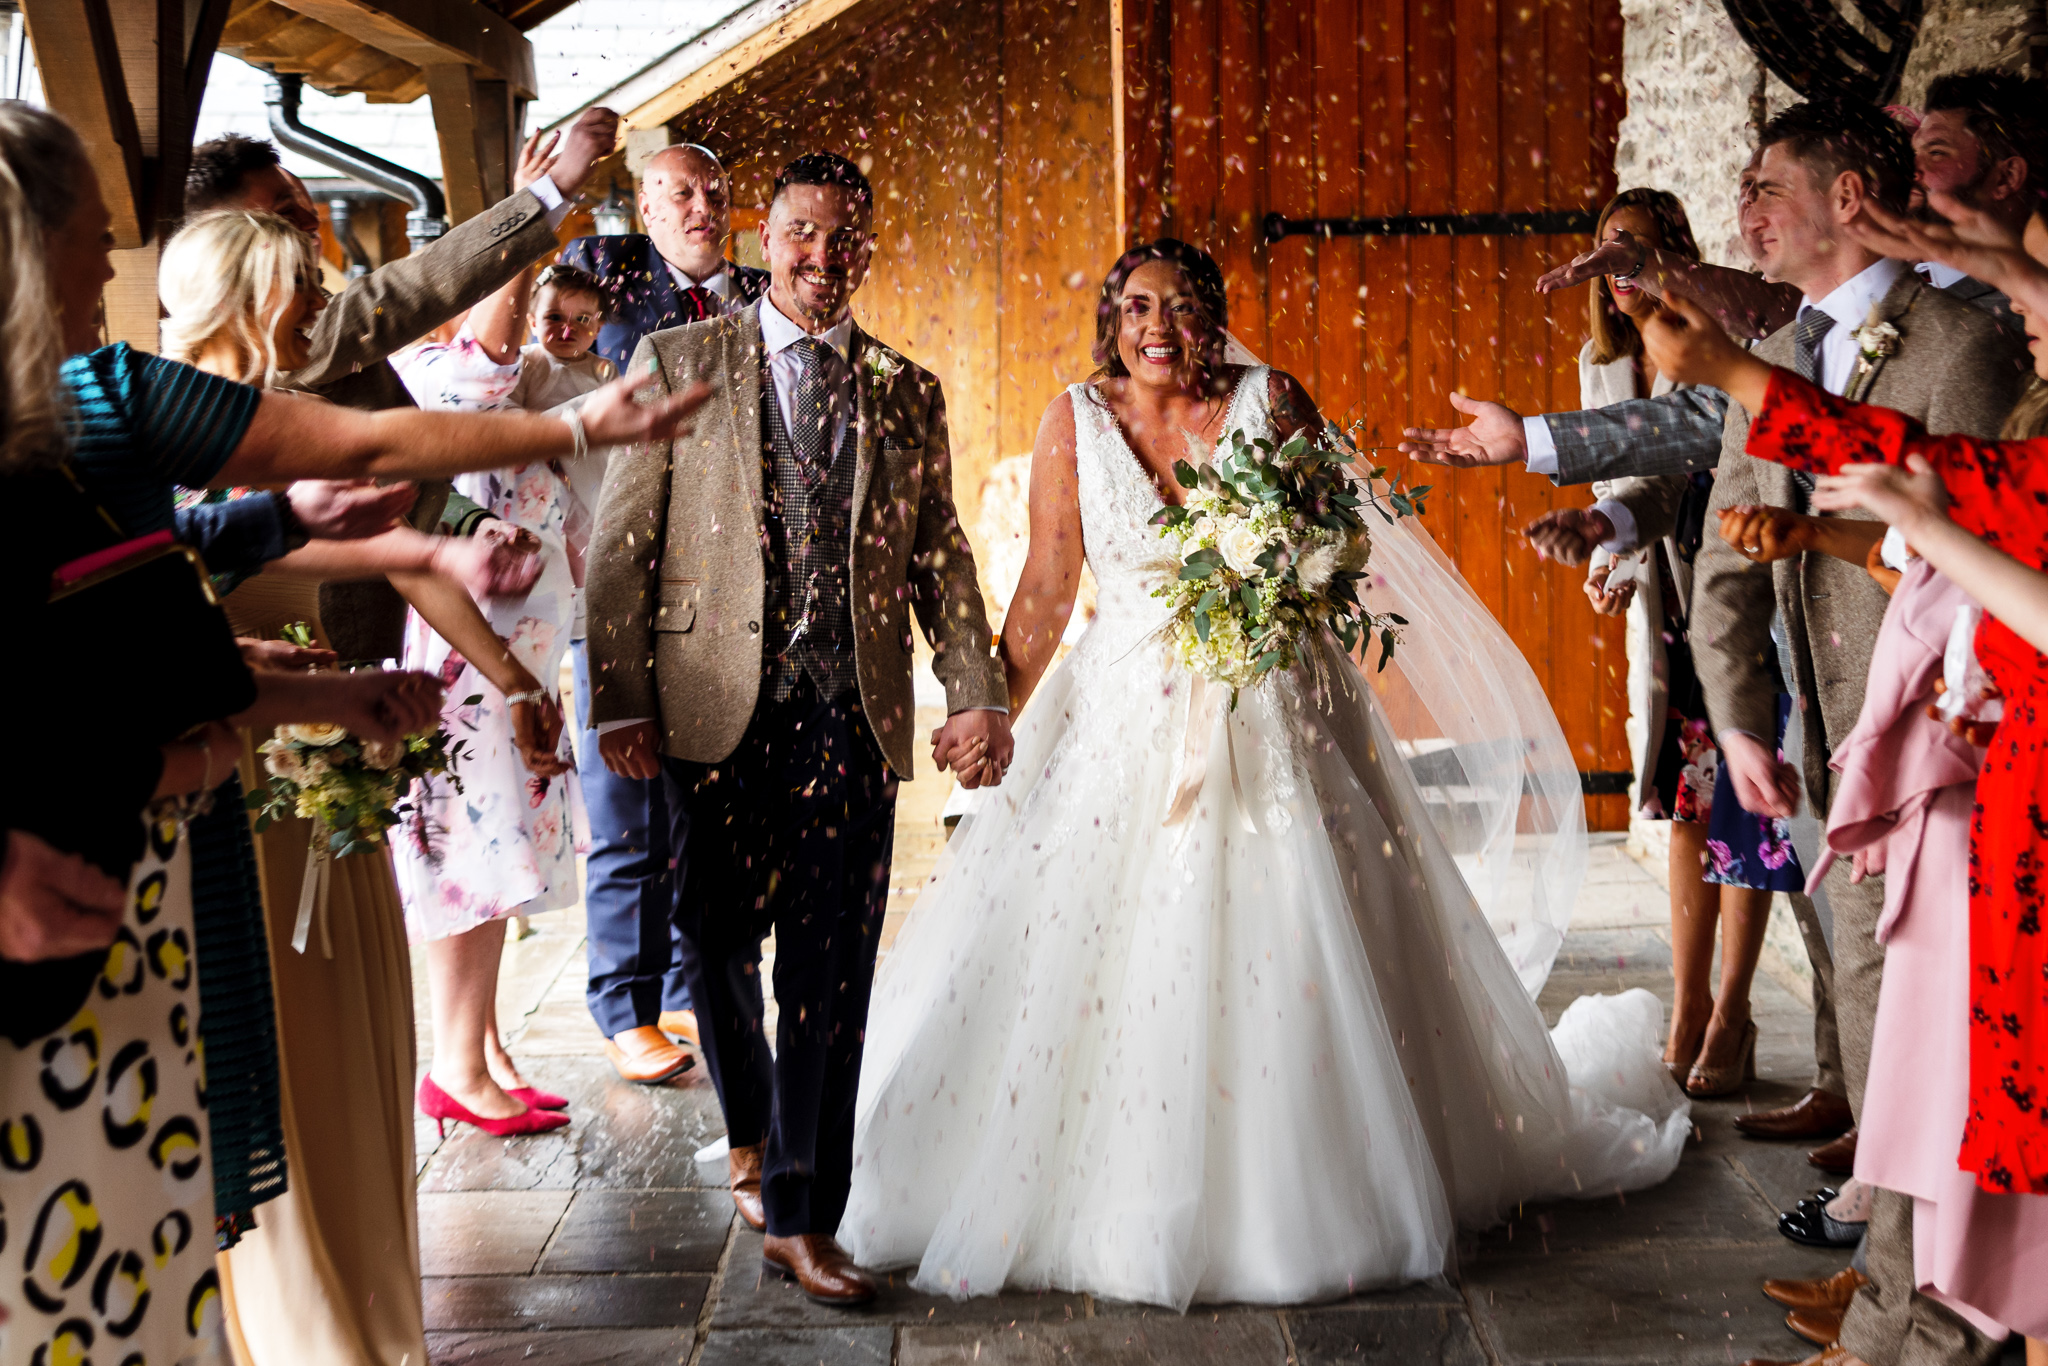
1185	475
1202	627
1198	569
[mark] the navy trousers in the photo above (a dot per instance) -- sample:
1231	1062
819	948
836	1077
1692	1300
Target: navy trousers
792	832
634	952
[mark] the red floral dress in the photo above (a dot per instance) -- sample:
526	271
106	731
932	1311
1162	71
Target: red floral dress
2000	493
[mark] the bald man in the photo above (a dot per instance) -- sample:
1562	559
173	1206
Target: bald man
677	271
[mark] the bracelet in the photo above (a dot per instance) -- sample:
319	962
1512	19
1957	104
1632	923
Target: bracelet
513	699
574	417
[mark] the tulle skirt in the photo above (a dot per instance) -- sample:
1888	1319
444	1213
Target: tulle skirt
1268	1052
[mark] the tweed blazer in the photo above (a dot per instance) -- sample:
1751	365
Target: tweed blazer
352	340
1671	433
1955	370
677	582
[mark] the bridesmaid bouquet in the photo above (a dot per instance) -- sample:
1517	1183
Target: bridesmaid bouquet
1271	544
354	788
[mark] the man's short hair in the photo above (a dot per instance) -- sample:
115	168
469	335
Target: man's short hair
1829	137
826	168
219	168
2006	112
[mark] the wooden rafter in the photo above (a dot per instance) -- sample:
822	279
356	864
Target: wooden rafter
84	81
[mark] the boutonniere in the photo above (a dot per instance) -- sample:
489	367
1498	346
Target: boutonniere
1875	340
884	365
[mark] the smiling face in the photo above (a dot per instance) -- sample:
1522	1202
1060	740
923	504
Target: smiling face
80	266
687	207
818	247
1946	157
1162	336
566	321
1630	299
291	333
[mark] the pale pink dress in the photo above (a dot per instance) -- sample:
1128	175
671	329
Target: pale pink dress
1903	803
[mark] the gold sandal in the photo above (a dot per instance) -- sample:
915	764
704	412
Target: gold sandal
1705	1083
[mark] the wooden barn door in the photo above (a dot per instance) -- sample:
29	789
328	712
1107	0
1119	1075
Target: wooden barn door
1230	110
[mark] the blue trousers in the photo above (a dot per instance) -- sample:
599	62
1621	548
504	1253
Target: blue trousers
792	833
634	949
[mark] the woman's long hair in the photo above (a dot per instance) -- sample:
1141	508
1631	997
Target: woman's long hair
1614	336
1205	282
41	159
231	273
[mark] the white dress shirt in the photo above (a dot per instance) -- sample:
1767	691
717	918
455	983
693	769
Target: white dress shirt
1849	305
779	337
1939	275
550	197
719	282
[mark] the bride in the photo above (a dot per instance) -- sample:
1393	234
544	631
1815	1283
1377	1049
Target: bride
1268	1050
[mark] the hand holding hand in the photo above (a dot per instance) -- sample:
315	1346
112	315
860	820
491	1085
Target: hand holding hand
1569	535
1494	438
976	745
1765	535
590	140
1618	257
281	654
536	160
53	904
1906	498
629	751
349	509
493	563
1765	785
615	416
1609	602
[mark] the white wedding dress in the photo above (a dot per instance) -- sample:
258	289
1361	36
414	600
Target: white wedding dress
1271	1053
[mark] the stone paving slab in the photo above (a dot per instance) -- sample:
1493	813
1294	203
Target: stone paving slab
1407	1335
651	1230
750	1297
487	1233
1248	1339
582	1347
867	1345
496	1303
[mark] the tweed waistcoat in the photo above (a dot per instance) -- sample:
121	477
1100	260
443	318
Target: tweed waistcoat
809	558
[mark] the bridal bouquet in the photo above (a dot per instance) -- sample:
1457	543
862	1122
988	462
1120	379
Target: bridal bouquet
1272	543
354	788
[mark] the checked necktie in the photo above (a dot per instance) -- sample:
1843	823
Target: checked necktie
811	412
1807	336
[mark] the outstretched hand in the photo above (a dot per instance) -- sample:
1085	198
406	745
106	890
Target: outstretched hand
1905	498
1609	602
501	560
536	159
1569	535
349	509
589	140
616	416
1969	240
1617	257
1494	438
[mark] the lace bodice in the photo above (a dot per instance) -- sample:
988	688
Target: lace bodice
1118	500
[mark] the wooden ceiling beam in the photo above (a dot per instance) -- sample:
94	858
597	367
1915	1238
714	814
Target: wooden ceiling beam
433	33
83	80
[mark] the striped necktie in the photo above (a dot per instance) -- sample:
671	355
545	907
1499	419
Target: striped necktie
1811	330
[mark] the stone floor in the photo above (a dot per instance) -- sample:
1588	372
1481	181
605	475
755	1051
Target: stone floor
607	1245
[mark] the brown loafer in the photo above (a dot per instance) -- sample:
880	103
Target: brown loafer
1818	1326
1817	1114
1837	1158
645	1055
1832	1355
1833	1292
817	1263
744	1164
680	1023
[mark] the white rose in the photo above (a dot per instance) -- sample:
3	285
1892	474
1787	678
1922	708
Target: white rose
315	766
383	754
1203	528
1317	567
280	761
1241	546
319	735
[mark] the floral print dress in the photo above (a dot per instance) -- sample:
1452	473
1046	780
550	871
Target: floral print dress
2000	493
504	842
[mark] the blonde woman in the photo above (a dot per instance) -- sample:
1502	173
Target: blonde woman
330	1274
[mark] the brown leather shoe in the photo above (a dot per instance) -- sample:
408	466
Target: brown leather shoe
1833	1292
681	1023
1818	1326
1817	1114
1832	1355
816	1262
1837	1158
645	1055
744	1164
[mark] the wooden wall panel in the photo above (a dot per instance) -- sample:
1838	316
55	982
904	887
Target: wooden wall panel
1382	107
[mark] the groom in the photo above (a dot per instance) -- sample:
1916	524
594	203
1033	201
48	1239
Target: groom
750	591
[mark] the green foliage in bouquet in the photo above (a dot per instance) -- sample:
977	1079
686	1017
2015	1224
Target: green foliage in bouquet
355	788
1272	542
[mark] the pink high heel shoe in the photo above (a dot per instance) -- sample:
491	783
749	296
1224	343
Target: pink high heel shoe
441	1107
536	1099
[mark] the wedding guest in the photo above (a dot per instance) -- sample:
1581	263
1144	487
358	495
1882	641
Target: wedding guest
1990	1227
1947	364
400	302
1724	862
676	273
331	1270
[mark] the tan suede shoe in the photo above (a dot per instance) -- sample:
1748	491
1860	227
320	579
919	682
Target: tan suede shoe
646	1056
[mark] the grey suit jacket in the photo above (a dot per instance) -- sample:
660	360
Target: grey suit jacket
677	581
1956	370
392	307
1674	433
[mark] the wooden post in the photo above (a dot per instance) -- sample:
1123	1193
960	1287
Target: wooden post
477	123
